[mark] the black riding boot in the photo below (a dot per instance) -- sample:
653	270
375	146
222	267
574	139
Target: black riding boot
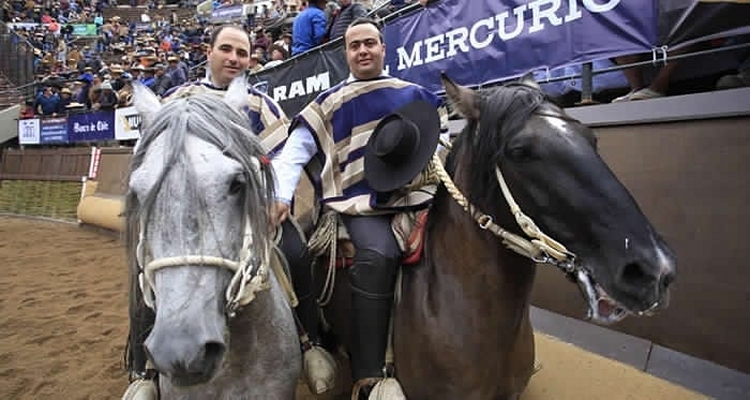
372	279
319	366
300	266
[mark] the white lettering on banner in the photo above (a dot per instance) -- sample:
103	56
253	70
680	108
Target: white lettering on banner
311	84
78	128
540	13
457	38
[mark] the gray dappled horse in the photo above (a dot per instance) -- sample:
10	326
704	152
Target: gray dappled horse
461	326
198	242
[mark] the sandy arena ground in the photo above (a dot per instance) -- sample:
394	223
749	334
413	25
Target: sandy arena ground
63	323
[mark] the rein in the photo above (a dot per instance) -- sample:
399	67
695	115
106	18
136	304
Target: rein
250	275
540	248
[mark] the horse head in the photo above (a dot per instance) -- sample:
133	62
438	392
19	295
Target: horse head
197	225
548	162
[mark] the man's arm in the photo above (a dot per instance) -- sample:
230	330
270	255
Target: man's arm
288	164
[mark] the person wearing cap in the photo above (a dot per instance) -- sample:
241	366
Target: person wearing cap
254	64
107	99
162	81
176	74
116	80
330	137
66	97
147	79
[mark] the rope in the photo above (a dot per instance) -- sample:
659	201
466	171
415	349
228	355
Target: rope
325	240
485	221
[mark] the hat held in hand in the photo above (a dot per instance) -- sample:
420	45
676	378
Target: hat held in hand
401	146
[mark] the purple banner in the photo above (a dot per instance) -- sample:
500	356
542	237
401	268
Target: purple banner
492	41
99	125
227	13
53	131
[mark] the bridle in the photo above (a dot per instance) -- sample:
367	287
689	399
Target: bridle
250	273
536	246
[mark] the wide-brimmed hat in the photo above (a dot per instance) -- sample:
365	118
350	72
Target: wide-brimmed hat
401	146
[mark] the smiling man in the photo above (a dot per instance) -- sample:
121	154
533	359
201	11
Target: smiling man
334	131
229	58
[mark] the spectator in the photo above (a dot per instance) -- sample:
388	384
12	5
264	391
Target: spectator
658	86
162	82
262	41
278	55
176	74
349	11
254	65
27	110
309	28
66	98
107	99
46	102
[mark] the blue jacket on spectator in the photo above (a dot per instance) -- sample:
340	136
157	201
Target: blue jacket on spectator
48	105
308	29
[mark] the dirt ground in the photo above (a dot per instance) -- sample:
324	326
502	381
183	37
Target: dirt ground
63	323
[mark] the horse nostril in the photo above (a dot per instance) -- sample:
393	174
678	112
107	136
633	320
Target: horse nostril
213	352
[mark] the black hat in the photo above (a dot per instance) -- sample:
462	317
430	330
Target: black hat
401	146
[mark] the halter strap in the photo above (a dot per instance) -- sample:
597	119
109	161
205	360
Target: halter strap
541	248
250	275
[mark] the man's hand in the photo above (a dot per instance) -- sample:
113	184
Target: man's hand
279	212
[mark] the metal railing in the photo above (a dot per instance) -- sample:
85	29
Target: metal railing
17	60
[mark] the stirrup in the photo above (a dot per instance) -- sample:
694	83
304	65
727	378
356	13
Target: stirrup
141	389
382	389
319	368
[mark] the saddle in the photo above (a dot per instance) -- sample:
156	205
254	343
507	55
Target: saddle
408	228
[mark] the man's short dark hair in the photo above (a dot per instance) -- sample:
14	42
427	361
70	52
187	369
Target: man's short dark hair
366	20
216	31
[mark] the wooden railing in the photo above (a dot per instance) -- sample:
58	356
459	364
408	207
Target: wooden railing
68	164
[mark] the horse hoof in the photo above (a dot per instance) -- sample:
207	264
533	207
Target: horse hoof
320	370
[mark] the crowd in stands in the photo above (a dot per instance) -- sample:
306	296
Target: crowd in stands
77	74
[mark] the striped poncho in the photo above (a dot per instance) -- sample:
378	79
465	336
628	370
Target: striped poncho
341	121
267	119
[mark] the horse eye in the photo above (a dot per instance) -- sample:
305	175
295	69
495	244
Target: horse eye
520	154
238	184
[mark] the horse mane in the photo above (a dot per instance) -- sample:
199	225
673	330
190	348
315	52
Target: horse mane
503	112
209	118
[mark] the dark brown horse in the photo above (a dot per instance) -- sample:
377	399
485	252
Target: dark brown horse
461	327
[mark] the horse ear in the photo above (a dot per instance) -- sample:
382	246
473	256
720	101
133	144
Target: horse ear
236	95
145	101
528	80
463	98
